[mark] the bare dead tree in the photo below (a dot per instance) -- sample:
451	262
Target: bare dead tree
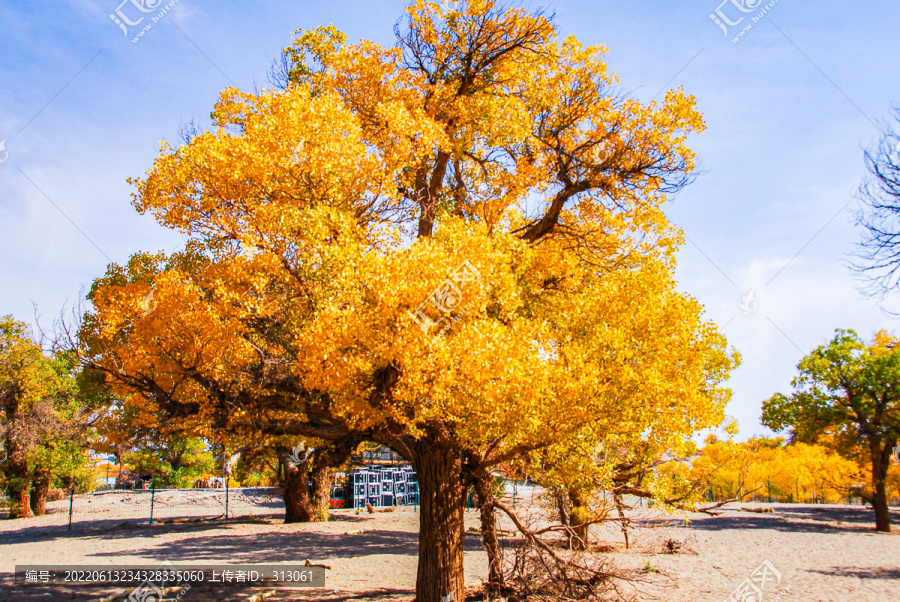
877	258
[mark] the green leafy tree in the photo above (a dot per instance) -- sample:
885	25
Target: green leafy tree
847	392
46	405
172	460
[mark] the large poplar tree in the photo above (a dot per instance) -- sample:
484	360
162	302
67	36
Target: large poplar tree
454	247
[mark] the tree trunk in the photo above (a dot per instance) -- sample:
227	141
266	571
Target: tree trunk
332	455
39	490
442	499
323	483
295	489
620	507
484	491
561	497
880	461
19	482
581	513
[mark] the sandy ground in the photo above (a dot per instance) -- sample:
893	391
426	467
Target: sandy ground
814	553
818	553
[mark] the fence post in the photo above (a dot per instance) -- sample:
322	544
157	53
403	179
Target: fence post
71	499
152	496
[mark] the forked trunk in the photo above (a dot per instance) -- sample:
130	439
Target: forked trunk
485	493
880	462
442	499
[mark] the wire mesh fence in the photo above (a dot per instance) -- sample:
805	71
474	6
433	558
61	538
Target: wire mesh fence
101	510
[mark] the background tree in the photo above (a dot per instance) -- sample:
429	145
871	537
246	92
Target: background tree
46	406
878	256
28	382
331	222
59	462
26	379
851	391
172	460
767	467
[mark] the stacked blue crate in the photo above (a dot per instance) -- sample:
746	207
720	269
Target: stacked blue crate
383	486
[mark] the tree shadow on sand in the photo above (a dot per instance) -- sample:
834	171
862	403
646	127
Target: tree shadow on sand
860	572
9	591
789	519
251	548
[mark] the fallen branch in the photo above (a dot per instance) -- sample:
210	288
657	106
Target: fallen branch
708	510
539	570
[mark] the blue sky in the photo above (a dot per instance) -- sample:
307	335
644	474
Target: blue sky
789	109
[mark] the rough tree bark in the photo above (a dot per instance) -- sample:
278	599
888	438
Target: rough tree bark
331	456
881	455
323	482
442	498
18	486
295	489
484	491
39	490
580	516
620	508
561	499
